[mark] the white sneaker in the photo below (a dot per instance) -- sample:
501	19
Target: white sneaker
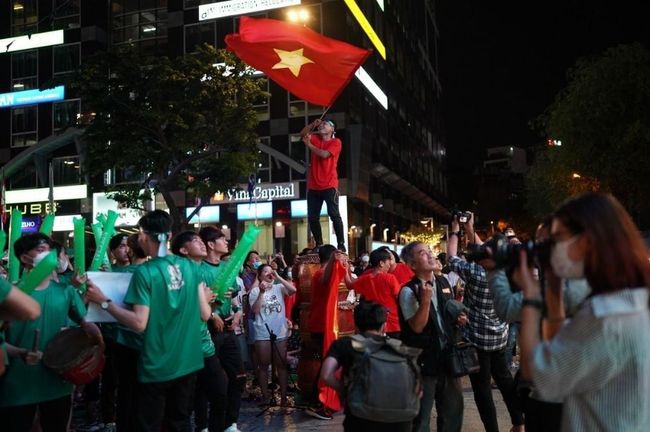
232	428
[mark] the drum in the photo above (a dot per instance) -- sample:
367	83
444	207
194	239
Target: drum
68	354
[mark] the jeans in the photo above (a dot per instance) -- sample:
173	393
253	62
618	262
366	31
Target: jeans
513	331
227	348
315	200
447	393
54	416
168	401
493	365
211	386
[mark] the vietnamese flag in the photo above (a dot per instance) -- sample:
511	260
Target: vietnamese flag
309	65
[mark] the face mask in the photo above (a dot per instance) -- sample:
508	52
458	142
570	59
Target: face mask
40	257
289	275
562	265
365	258
61	265
257	264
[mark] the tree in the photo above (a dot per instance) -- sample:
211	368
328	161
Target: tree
181	124
603	122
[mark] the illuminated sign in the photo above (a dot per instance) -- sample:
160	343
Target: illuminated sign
61	193
65	223
34	208
127	216
372	87
240	7
37	40
31	97
262	192
365	25
30	224
299	209
206	214
254	211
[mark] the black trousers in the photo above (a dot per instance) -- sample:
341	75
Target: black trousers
540	416
125	361
315	200
228	351
211	387
54	416
167	402
493	365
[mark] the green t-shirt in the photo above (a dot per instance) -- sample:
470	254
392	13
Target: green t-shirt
210	273
118	332
5	288
207	345
24	384
171	345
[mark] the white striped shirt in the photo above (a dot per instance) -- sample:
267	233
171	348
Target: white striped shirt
599	365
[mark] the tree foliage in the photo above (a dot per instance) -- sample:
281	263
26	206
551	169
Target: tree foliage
181	124
603	121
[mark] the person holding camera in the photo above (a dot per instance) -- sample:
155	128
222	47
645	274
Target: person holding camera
271	329
597	362
485	330
428	321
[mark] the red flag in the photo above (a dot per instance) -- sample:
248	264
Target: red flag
309	65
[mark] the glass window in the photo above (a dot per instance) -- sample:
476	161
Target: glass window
262	105
23	126
66	14
264	162
21	84
66	170
24	17
65	114
297	152
66	58
140	21
196	3
198	34
301	108
24	64
24	178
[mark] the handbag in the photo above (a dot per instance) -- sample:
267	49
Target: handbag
461	359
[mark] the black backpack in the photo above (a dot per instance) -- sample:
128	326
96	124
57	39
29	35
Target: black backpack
384	384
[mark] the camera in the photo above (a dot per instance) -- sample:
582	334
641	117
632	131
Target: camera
506	254
462	217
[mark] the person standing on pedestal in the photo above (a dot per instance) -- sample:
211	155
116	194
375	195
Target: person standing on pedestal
322	179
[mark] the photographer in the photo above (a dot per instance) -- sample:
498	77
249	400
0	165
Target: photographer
485	330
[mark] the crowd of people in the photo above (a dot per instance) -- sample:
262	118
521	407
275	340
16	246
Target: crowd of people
178	351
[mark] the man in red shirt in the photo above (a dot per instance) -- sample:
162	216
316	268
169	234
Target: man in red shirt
379	286
322	179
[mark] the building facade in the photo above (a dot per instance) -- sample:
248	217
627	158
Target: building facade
392	165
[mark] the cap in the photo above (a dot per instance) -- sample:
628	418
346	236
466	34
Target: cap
510	232
330	122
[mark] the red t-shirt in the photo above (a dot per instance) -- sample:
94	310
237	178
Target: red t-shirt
381	288
403	273
319	296
322	171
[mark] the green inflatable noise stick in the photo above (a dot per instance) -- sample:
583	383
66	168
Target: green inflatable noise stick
102	246
48	225
226	278
80	248
3	241
42	270
15	231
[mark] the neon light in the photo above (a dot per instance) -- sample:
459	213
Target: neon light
365	25
240	7
37	40
61	193
372	87
31	97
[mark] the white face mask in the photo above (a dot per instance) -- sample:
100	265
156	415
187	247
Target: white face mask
562	265
40	257
61	265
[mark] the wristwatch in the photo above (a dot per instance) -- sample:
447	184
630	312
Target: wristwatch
535	303
105	303
456	233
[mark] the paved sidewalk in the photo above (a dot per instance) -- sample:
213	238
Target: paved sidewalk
296	420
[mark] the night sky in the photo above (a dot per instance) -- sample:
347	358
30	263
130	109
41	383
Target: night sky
501	64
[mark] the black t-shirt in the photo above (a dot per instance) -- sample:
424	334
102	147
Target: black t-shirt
342	351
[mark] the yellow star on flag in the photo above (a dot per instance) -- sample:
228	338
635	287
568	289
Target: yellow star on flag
293	60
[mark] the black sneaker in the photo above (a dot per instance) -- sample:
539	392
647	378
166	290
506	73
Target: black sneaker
341	247
321	413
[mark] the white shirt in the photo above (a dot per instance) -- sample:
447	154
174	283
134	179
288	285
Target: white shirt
271	313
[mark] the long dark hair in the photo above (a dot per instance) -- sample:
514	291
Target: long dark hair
617	257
